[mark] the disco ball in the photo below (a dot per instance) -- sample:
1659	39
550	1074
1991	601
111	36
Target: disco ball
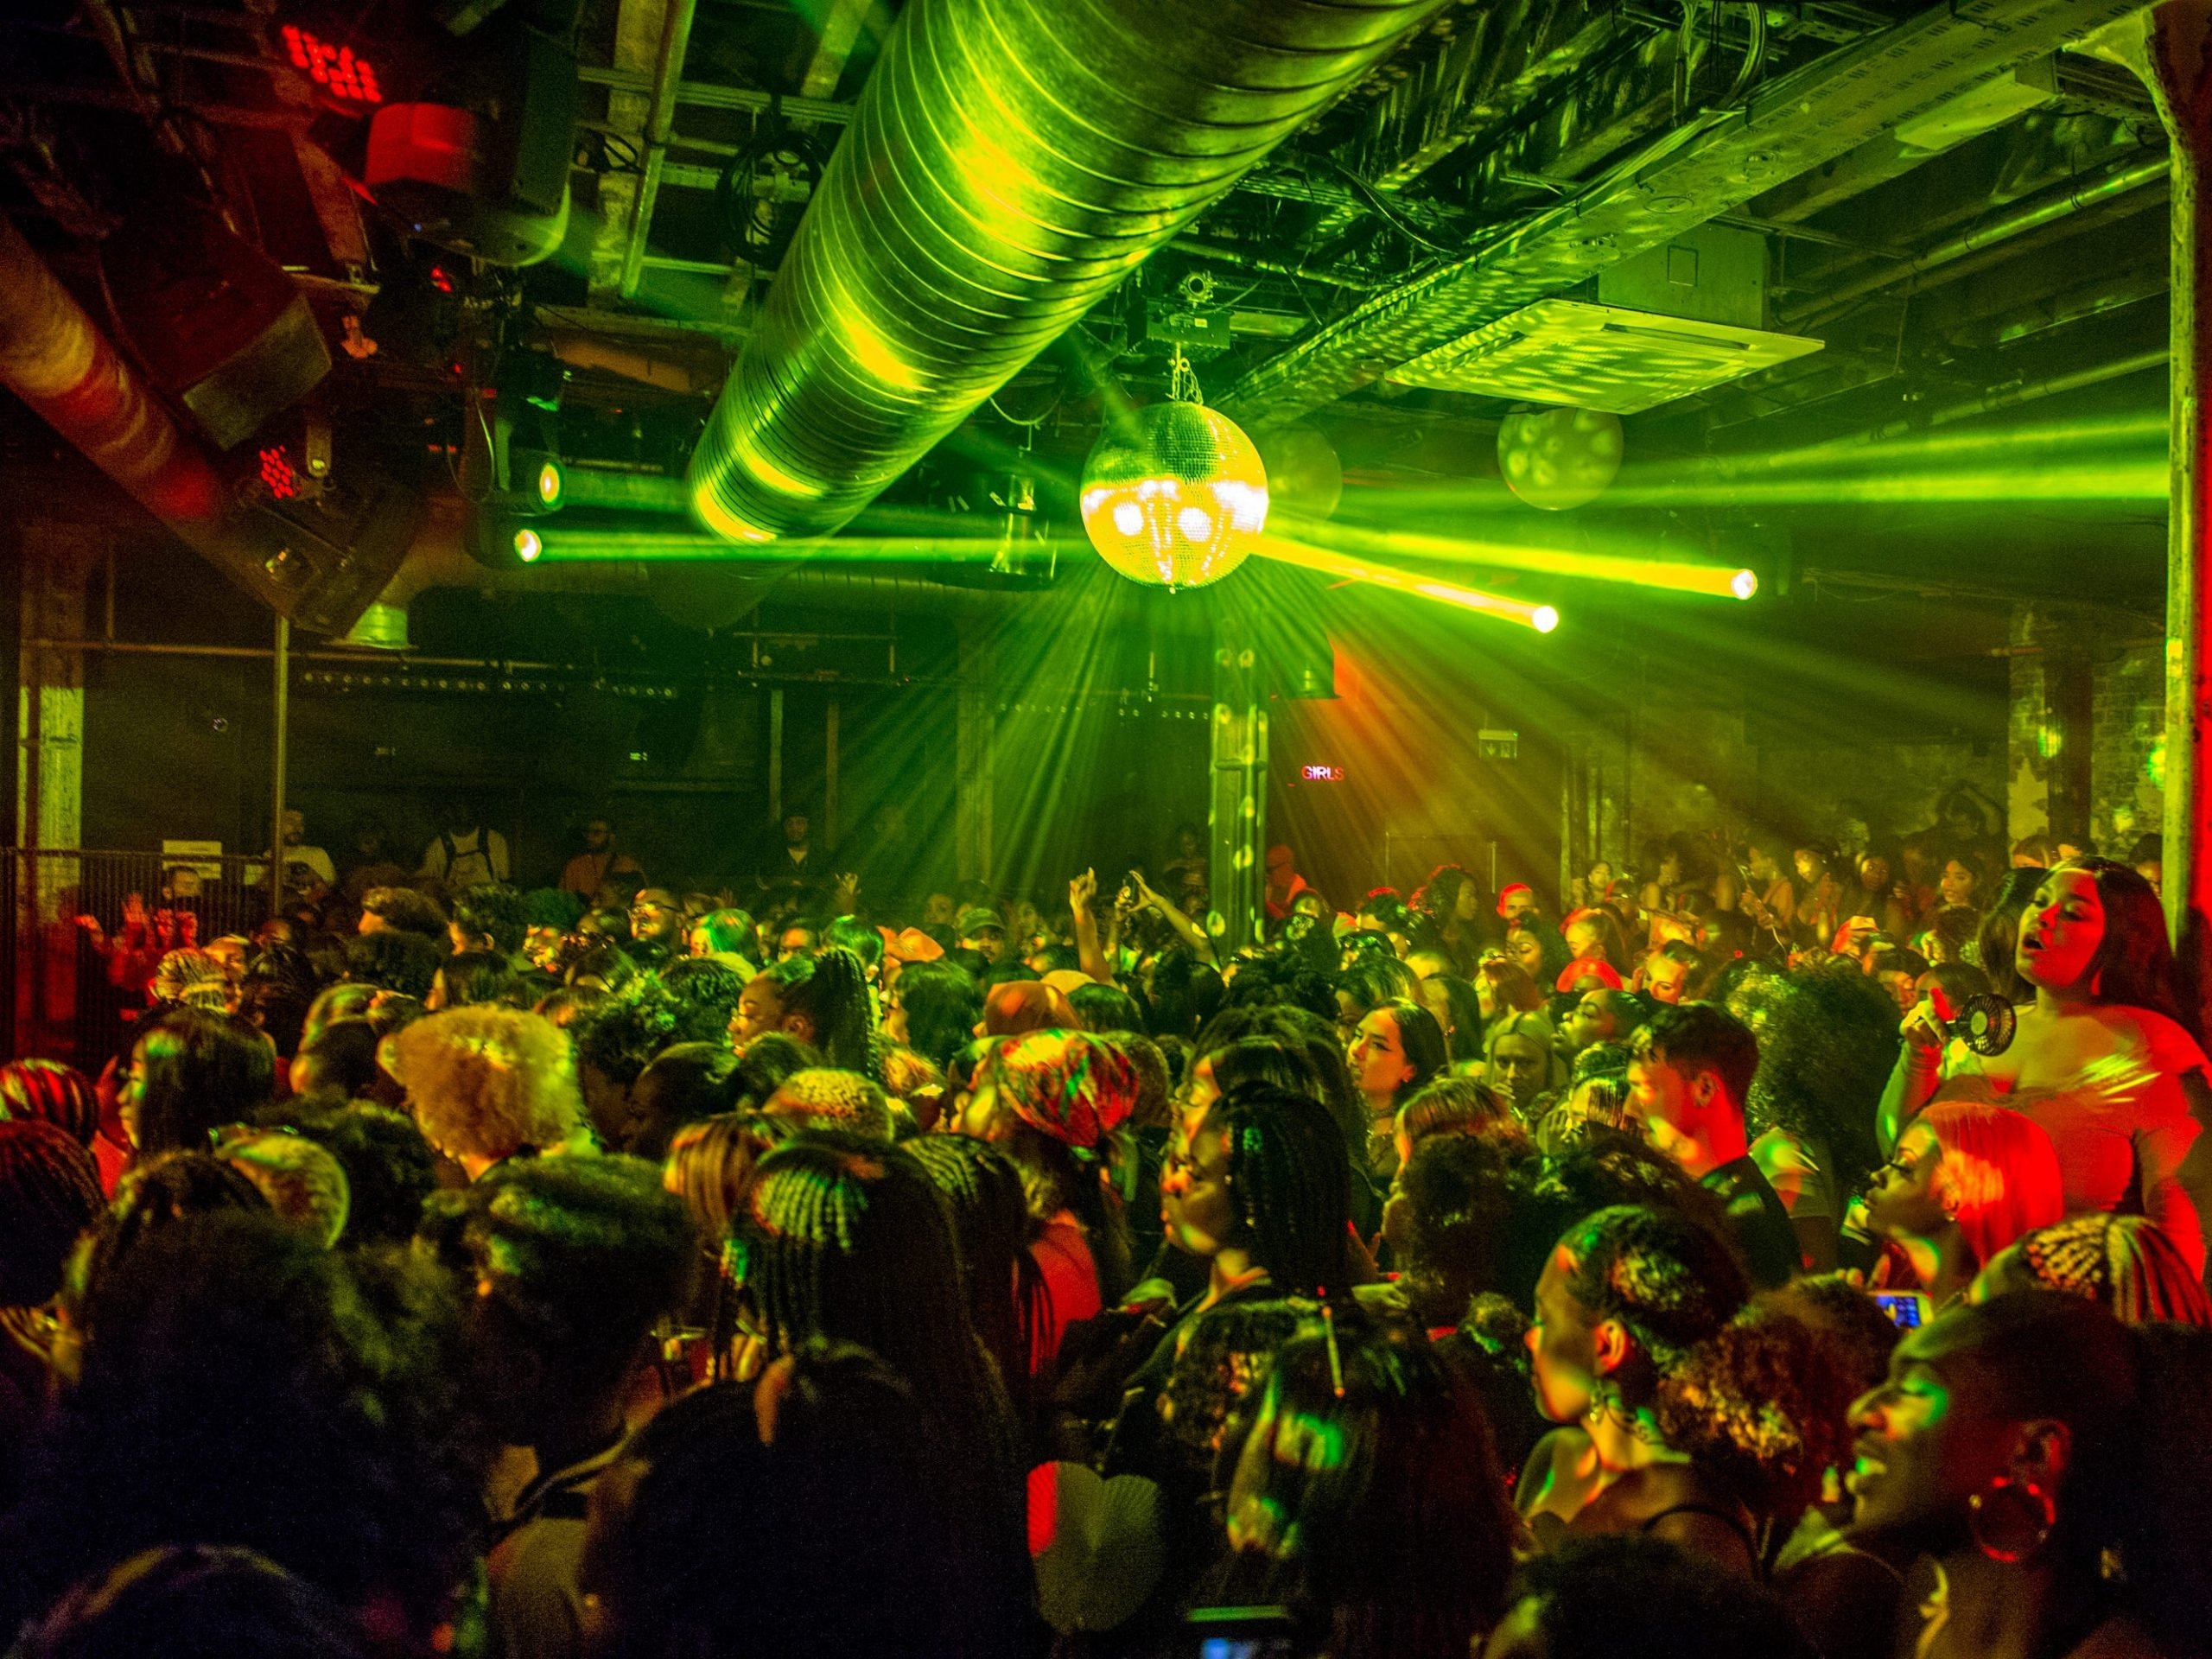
1175	496
1558	458
1305	477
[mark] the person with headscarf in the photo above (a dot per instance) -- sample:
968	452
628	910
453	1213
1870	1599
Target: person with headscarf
1052	1101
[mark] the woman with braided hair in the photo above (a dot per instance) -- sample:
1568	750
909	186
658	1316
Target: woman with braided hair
821	999
847	1240
1052	1101
2123	1262
1682	1420
990	1218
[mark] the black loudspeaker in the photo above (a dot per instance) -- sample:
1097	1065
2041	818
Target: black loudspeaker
215	322
321	561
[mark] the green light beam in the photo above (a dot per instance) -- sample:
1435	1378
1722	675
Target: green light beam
1677	575
1541	618
562	546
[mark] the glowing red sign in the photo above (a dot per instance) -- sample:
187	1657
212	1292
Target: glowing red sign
1322	774
333	67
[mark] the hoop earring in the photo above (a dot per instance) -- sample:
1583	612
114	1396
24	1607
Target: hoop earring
2012	1520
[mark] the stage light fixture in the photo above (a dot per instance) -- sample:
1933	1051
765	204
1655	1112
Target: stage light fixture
341	72
1743	584
1176	497
1556	459
528	545
1544	619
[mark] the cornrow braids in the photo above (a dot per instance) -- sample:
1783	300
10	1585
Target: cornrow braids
1289	1186
2125	1263
49	1092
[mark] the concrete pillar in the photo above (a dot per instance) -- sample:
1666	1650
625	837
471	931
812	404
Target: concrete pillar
2172	57
57	564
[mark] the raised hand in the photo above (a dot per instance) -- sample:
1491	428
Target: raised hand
1083	891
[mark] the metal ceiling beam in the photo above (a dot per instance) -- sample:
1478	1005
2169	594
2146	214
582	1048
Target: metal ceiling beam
2102	186
1714	163
639	27
660	120
834	36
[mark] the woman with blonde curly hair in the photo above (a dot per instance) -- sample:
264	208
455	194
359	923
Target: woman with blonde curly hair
488	1082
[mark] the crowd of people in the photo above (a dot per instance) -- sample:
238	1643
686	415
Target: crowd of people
1780	1250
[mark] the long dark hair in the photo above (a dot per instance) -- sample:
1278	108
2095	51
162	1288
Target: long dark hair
1289	1184
202	1071
847	1239
2134	966
943	1004
2134	1406
1422	1038
1399	1544
990	1219
1997	941
830	988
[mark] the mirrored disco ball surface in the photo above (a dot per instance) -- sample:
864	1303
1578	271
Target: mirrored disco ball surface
1558	458
1176	497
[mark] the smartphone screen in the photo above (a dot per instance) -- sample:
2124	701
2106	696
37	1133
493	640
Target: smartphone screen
1908	1309
1238	1633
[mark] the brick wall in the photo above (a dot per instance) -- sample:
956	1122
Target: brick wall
2127	794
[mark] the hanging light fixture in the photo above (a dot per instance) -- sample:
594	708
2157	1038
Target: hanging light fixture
1176	496
1559	458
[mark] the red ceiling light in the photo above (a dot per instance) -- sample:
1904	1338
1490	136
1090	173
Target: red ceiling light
339	70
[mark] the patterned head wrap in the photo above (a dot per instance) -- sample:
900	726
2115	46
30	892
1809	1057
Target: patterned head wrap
1072	1085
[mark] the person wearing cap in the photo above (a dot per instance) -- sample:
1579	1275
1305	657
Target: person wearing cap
1049	1100
983	932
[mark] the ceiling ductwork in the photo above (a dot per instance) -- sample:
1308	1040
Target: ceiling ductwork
60	362
1712	163
1009	163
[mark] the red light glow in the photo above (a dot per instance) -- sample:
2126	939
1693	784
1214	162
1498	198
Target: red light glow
334	69
277	473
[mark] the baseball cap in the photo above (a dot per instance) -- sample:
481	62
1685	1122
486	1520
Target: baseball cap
975	919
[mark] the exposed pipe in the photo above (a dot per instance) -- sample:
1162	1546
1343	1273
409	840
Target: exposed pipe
54	358
1008	163
660	120
2032	214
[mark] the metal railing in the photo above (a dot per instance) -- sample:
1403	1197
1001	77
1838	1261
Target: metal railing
69	996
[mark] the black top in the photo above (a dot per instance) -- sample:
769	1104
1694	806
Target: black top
1759	1220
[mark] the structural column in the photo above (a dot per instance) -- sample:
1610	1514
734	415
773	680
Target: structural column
1237	789
2172	61
57	562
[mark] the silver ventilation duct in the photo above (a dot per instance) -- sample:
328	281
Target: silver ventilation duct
1009	161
